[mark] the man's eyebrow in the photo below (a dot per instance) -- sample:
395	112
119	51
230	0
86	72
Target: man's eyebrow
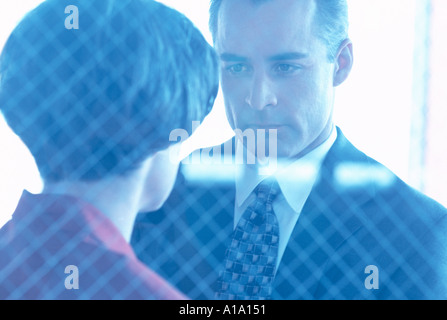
230	57
288	56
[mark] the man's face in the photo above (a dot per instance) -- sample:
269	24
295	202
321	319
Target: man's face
275	72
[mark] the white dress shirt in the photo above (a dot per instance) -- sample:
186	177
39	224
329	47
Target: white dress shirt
295	179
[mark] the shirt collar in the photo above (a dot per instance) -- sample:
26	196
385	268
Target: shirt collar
295	179
73	217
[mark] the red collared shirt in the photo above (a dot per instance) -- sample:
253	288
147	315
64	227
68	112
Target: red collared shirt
57	247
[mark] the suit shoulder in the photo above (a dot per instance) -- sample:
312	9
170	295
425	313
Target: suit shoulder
409	201
357	173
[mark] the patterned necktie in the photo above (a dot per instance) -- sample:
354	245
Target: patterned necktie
250	260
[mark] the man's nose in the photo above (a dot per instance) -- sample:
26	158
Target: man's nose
261	94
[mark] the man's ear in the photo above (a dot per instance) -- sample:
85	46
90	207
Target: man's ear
343	62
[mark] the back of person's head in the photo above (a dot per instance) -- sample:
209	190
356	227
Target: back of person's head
98	100
331	21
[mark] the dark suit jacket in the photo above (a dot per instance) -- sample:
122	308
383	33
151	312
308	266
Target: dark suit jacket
358	215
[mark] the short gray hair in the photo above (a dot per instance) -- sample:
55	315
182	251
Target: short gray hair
331	19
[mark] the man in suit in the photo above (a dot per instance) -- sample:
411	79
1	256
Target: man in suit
95	106
348	227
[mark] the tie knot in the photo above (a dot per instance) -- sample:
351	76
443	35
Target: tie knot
267	190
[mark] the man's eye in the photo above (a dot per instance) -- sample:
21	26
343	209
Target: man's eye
237	68
286	68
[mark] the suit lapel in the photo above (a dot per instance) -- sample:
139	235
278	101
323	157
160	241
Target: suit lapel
328	218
